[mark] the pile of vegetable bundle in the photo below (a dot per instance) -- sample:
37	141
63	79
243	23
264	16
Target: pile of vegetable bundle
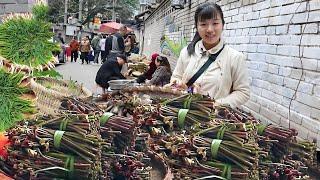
116	138
79	106
121	129
133	165
40	152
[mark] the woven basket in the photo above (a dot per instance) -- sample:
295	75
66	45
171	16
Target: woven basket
51	91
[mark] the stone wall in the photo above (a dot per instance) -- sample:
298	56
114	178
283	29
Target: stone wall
18	6
281	41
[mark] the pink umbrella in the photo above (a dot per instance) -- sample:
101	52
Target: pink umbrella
112	27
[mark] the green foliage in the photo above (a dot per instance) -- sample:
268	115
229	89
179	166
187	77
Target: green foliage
12	107
25	41
56	10
176	47
128	9
40	12
125	9
72	84
50	73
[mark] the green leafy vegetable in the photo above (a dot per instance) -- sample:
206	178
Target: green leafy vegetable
25	40
12	106
50	73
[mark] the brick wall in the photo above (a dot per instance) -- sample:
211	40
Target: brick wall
281	41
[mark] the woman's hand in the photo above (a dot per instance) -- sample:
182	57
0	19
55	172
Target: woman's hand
177	84
170	84
215	104
130	72
196	88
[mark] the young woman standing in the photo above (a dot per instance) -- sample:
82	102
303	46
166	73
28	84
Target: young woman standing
224	76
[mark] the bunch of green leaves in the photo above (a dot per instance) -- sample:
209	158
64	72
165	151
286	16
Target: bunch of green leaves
12	106
124	8
25	41
72	85
40	12
176	47
49	73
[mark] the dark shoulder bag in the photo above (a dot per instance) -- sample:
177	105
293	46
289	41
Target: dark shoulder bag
204	67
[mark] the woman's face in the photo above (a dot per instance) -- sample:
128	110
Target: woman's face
210	31
157	62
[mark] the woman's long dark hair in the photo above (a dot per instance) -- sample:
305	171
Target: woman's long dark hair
164	62
204	12
132	41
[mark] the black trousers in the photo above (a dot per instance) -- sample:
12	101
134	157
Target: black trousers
96	56
74	56
103	81
84	56
103	56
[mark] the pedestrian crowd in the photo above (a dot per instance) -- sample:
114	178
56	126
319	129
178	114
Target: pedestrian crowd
112	50
100	47
207	65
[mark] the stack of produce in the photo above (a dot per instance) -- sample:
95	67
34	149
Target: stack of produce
117	103
122	129
236	133
276	140
189	160
135	58
78	106
304	151
77	123
192	101
116	137
133	165
119	128
60	147
137	69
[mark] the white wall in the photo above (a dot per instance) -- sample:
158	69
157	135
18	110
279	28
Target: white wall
281	41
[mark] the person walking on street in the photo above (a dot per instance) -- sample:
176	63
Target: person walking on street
208	66
95	43
115	43
102	44
58	39
84	49
74	47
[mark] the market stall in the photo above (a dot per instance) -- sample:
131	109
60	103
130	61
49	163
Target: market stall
55	129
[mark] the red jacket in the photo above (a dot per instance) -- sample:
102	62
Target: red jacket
74	45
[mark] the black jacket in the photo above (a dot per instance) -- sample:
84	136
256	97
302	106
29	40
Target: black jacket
109	70
108	45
